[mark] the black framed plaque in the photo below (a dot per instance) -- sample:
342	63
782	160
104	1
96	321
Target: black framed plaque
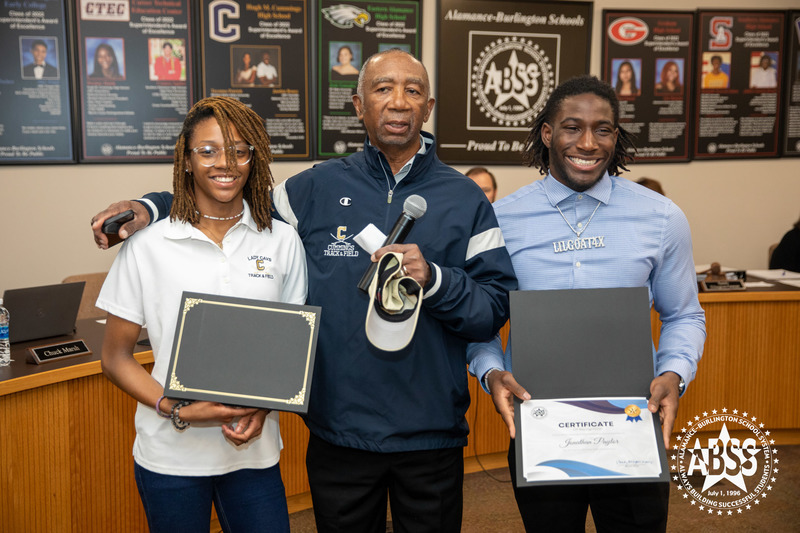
259	53
36	115
498	63
245	352
348	34
648	59
791	122
134	66
611	358
739	70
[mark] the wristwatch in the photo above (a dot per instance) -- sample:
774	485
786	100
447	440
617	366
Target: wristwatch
681	386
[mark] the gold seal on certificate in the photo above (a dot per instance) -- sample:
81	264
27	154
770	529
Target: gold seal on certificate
633	411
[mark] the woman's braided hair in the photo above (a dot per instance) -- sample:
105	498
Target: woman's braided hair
227	112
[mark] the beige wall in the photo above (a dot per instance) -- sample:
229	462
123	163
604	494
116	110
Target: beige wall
736	208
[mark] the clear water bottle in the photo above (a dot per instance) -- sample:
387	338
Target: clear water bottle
5	346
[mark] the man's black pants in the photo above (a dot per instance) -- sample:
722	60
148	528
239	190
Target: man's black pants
616	507
349	488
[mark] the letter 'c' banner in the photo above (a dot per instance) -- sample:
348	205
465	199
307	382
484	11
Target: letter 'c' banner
498	63
259	53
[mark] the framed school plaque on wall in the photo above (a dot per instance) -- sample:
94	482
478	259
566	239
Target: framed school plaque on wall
739	69
259	53
648	59
498	63
134	77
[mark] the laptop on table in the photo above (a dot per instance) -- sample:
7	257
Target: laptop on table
41	312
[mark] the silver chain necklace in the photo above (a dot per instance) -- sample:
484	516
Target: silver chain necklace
576	232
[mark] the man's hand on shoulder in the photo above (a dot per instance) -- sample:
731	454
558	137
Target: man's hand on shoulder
140	220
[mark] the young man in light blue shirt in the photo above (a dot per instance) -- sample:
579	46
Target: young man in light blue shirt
583	227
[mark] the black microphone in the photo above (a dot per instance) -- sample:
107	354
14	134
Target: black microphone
413	208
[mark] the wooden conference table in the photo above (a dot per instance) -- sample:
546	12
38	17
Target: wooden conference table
66	432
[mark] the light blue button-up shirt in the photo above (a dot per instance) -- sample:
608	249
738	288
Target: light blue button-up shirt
630	236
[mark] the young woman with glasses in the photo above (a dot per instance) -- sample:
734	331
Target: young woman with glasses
218	234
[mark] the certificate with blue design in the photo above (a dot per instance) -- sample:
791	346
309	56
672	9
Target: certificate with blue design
610	439
586	356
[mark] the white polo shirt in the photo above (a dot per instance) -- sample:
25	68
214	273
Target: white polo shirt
144	286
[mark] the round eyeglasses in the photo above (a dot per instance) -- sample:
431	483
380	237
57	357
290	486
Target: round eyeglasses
209	155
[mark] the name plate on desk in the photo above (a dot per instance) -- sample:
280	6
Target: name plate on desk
722	285
56	352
